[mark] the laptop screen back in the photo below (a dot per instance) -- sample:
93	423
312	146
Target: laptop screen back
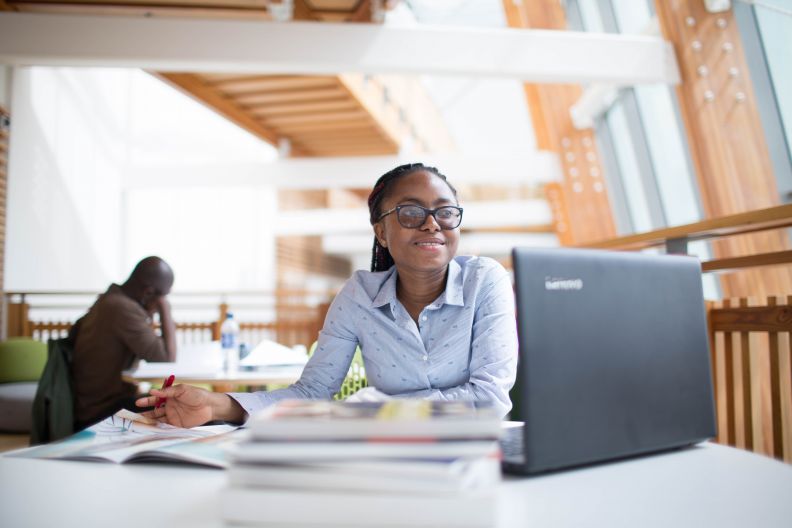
614	359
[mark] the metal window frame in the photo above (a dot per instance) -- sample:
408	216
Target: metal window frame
611	173
778	144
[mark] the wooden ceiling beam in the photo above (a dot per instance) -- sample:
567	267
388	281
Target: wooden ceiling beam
317	118
289	96
265	83
351	133
314	108
338	152
342	137
352	124
194	87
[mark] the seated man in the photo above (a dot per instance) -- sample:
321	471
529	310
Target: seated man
114	334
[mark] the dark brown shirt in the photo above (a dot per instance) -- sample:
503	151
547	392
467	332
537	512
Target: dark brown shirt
111	337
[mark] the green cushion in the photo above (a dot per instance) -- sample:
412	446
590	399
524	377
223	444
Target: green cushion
22	359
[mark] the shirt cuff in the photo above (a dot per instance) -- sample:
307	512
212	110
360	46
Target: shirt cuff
251	402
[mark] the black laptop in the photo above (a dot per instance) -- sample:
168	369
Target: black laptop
614	359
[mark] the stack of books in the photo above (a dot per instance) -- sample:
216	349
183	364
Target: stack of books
397	463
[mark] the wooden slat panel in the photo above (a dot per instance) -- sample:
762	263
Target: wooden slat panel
325	94
268	83
311	108
785	367
728	363
746	386
721	395
318	118
753	373
352	133
308	128
753	319
194	86
342	140
775	392
716	383
351	151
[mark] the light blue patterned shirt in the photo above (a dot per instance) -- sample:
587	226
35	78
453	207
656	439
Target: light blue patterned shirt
464	347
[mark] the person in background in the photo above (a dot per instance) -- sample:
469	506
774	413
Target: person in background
115	333
430	324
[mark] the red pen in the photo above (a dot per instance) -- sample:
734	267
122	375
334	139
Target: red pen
165	384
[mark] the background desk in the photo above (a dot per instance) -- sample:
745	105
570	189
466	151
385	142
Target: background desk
192	375
202	363
708	485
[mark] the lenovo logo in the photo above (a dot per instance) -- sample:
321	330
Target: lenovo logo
555	283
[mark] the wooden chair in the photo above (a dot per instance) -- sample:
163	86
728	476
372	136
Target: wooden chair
750	346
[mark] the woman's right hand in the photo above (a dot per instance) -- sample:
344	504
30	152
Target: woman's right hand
188	406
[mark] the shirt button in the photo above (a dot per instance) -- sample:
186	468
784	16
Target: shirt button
425	357
424	318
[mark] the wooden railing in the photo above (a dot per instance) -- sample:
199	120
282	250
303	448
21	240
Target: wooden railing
675	239
749	339
295	316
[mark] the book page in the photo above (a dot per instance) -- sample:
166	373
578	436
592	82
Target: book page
118	438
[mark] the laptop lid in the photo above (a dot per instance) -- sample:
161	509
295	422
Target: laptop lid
614	359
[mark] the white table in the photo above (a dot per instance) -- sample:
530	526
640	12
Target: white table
276	375
707	485
203	363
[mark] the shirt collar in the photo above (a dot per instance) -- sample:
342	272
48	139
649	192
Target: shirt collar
387	291
453	291
451	295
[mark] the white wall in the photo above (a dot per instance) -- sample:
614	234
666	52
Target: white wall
76	136
215	238
64	179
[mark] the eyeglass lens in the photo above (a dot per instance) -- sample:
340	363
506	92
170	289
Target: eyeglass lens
413	216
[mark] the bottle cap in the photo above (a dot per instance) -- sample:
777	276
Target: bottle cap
229	315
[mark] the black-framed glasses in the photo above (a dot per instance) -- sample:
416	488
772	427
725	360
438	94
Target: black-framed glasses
414	216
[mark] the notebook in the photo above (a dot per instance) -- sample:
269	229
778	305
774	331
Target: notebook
614	360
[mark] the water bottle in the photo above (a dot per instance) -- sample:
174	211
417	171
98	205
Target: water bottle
229	335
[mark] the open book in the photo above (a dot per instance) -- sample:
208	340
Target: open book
130	437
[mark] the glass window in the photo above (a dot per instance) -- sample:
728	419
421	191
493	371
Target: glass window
631	15
589	13
627	162
774	18
669	154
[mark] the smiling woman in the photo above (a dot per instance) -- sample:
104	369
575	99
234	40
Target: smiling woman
429	324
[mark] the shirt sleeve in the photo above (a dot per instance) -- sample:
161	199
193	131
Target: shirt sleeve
493	358
134	329
326	369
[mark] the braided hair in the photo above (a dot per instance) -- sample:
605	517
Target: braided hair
381	259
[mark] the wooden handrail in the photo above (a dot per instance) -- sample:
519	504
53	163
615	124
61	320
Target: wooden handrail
737	224
675	239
